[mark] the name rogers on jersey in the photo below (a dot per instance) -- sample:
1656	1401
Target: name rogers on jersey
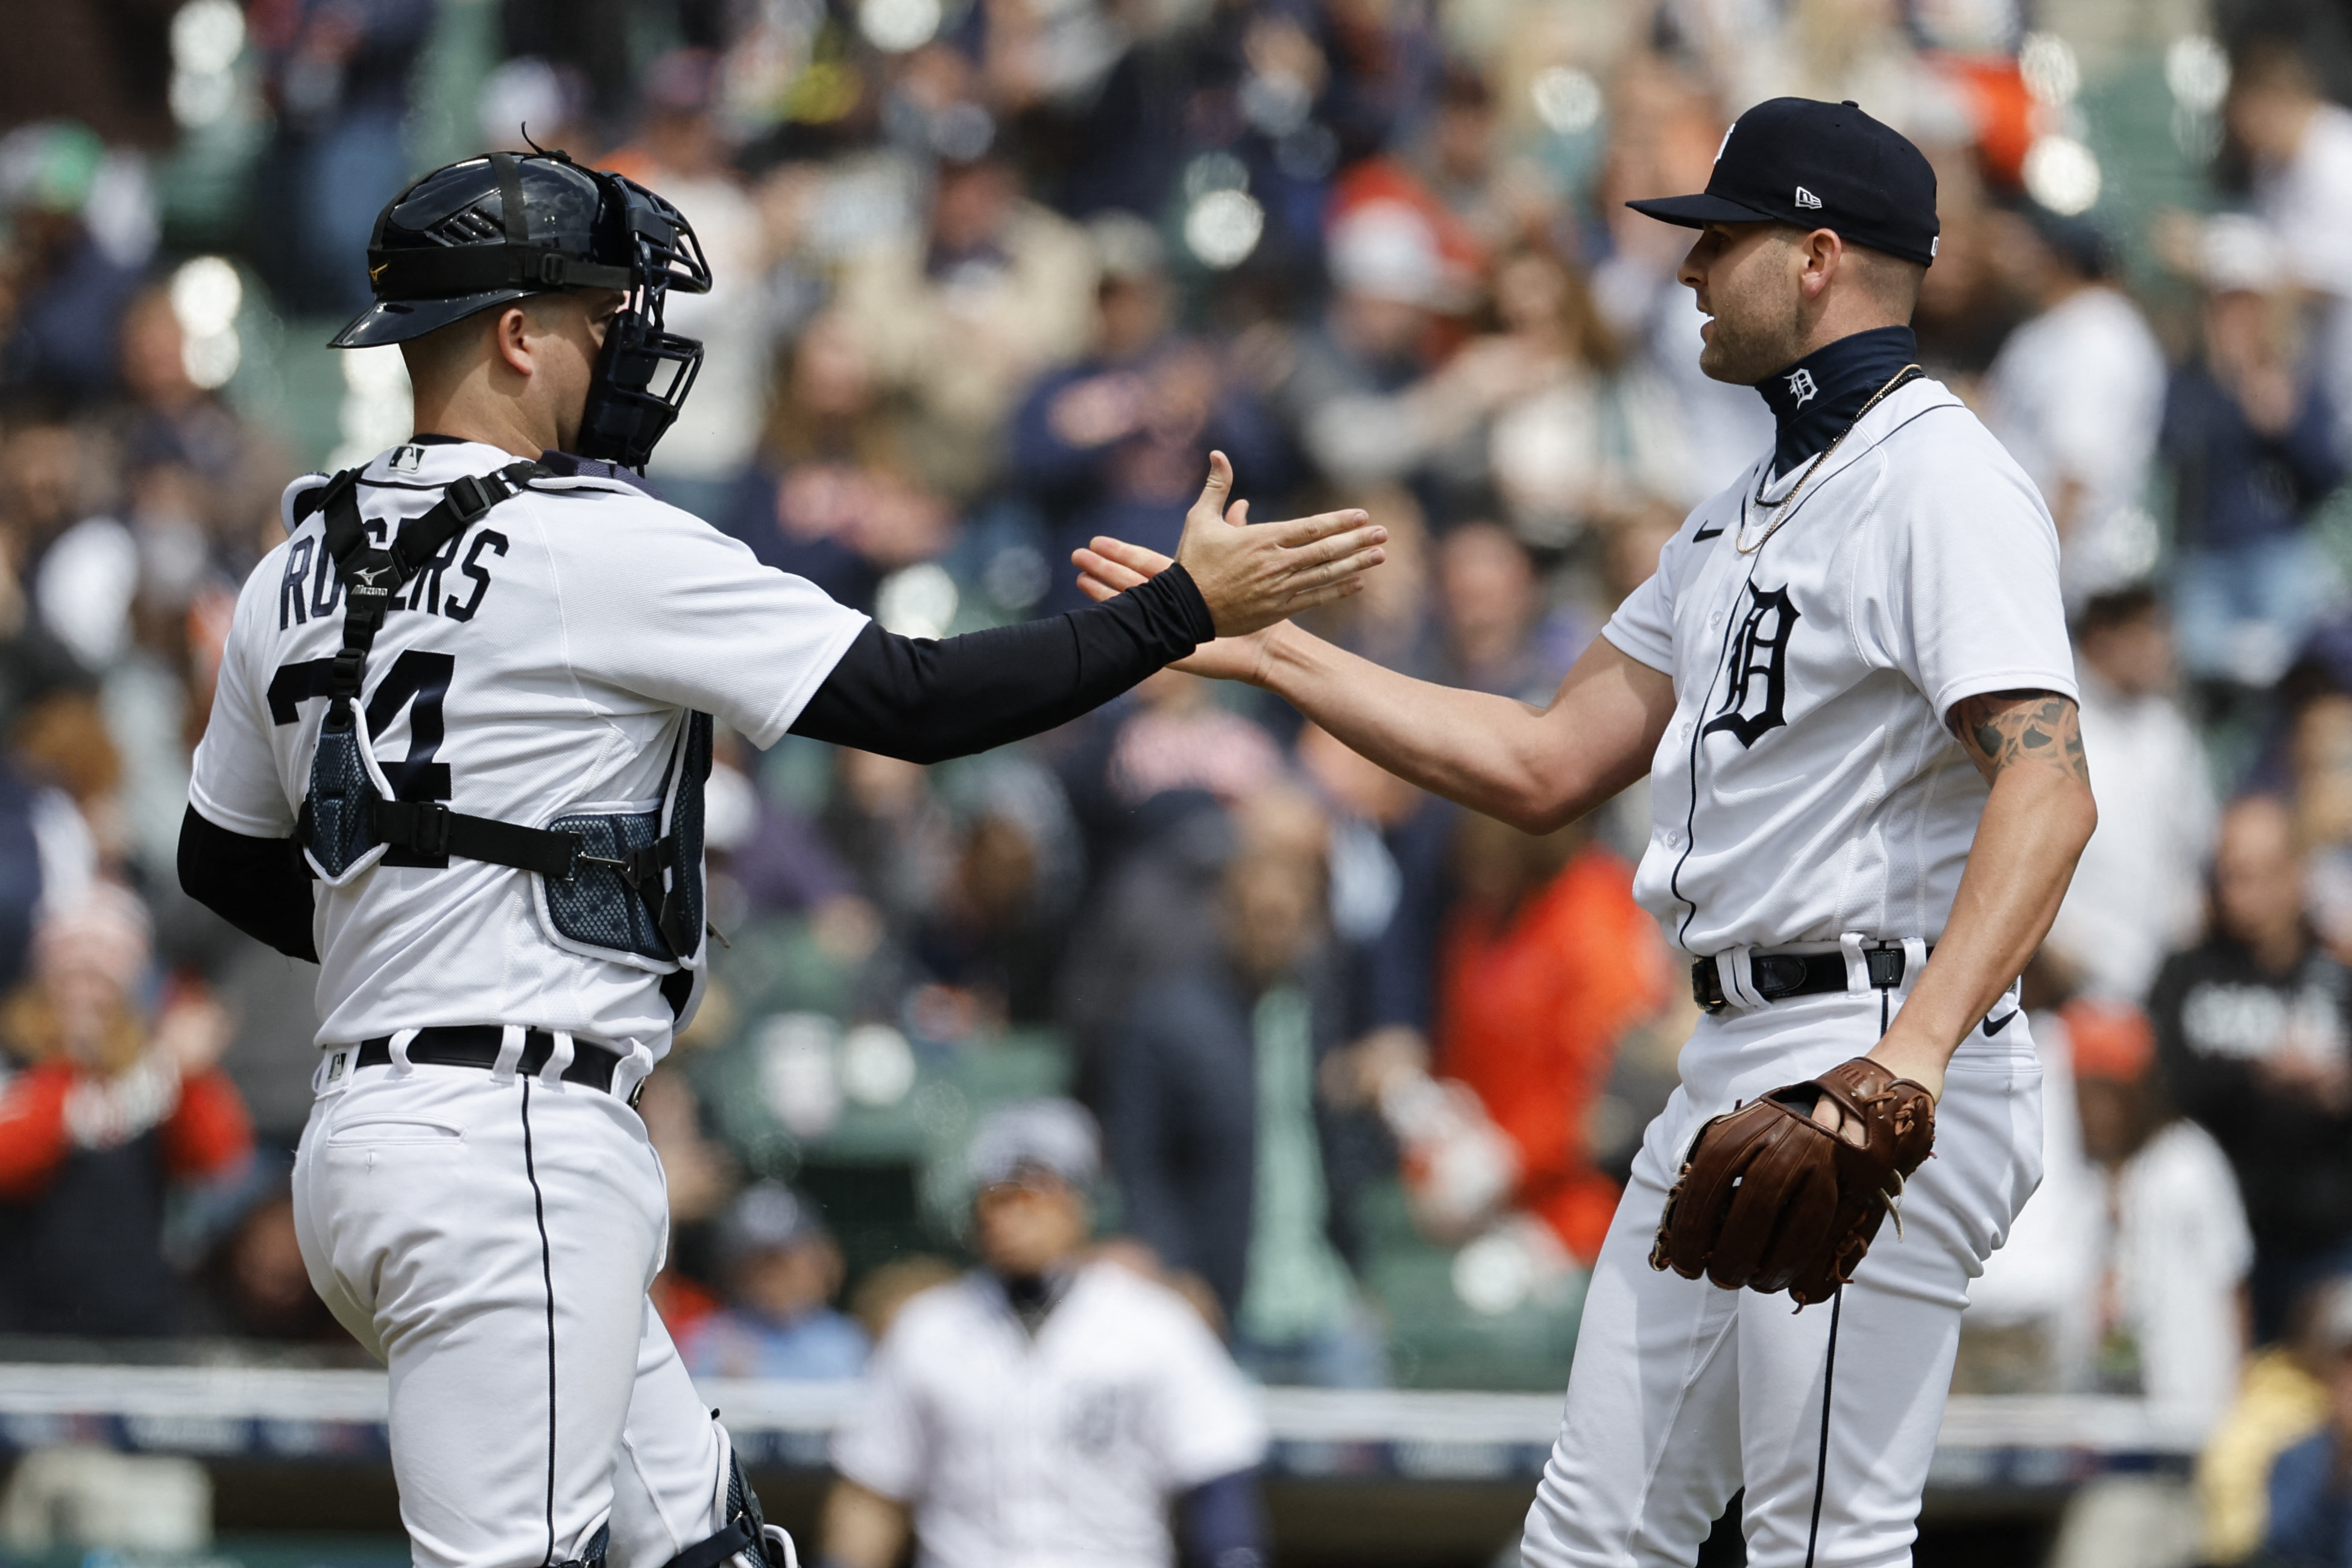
312	587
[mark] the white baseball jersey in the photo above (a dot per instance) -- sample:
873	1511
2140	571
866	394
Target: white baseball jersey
1807	788
540	666
1056	1452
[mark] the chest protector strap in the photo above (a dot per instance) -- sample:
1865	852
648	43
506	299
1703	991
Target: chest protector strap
349	819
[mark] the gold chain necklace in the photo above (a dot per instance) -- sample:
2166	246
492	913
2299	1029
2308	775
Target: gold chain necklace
1781	508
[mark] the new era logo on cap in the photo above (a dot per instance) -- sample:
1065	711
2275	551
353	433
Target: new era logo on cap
1797	161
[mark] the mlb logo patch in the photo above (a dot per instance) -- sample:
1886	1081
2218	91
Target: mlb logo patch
407	459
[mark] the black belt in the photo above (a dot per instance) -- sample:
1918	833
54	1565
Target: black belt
1777	977
478	1045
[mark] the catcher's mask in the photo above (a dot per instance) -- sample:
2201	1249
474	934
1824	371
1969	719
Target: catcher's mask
499	228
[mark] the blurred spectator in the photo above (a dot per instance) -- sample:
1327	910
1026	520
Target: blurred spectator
339	77
959	318
202	481
2319	752
2281	1401
62	286
2311	1484
105	1109
2301	148
682	153
1664	126
837	497
79	568
106	66
781	1270
2076	394
20	872
1117	442
1387	850
2157	1297
529	95
994	930
1179	736
1361	390
1491	605
896	838
1046	1374
1579	437
2249	434
2252	1029
1463	160
1547	964
2171	1245
1135	767
258	1284
2139	890
1224	1159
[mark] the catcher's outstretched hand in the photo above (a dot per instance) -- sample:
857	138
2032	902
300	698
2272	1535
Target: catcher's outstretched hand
1773	1199
1251	577
1110	567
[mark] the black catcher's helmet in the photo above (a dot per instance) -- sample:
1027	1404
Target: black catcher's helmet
494	229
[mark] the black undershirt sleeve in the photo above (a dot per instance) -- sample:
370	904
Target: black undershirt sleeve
926	701
261	886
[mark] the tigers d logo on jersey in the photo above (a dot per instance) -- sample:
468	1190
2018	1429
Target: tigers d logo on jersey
1760	668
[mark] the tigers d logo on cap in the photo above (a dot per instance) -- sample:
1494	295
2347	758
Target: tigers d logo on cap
1816	165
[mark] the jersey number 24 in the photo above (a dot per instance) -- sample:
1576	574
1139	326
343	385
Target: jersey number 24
415	677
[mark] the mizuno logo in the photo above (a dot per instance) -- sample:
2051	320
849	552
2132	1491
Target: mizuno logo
1806	198
1715	532
378	270
368	574
1802	386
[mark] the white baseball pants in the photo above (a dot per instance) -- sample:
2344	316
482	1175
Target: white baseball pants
1682	1393
490	1237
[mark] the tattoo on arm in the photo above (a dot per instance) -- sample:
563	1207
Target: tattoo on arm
2001	729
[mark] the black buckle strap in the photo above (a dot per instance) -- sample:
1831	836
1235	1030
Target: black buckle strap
430	828
641	868
739	1534
478	268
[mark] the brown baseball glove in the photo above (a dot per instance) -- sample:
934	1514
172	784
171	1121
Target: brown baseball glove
1772	1199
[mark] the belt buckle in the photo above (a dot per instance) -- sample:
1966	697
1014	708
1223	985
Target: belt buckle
429	827
1706	986
1885	964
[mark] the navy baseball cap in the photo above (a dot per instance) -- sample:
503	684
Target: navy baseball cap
1820	166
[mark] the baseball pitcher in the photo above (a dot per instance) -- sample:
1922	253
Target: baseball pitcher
1849	685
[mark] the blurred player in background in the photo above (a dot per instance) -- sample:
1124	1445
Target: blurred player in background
1043	1409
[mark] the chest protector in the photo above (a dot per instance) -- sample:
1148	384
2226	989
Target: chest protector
626	885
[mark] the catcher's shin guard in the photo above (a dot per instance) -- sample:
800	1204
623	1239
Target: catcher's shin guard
746	1540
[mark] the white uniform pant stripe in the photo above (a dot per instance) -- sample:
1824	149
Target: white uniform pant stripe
508	1055
492	1244
1682	1394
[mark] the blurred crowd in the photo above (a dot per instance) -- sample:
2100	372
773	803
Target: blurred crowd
993	277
